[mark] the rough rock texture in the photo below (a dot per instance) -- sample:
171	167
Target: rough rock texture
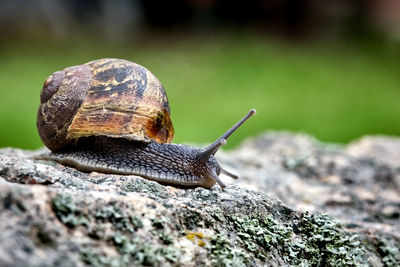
51	215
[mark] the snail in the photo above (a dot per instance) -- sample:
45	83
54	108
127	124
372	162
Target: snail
113	116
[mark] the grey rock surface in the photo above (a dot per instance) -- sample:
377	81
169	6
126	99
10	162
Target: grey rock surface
358	183
274	215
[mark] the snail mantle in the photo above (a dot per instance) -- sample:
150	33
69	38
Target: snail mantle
54	215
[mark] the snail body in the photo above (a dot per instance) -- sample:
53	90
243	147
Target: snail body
113	116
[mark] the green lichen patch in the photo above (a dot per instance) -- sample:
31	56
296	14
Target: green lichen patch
118	219
117	226
260	234
134	253
138	252
132	247
171	253
133	250
295	238
136	222
214	214
389	250
222	253
189	218
312	240
324	242
206	195
165	238
159	224
66	211
93	258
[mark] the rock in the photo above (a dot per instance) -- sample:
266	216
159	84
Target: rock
51	215
357	184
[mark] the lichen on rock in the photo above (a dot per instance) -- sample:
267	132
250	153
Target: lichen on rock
51	215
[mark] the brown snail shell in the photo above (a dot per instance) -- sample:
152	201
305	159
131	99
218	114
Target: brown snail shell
106	97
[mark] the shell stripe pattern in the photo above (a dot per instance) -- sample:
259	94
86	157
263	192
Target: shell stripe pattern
124	100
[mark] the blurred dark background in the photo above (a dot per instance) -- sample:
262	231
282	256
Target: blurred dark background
125	20
328	68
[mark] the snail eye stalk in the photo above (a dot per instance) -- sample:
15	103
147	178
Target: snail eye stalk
213	148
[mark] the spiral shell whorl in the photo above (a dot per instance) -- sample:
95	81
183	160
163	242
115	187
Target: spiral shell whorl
62	95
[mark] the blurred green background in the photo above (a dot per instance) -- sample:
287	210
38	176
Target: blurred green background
334	81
